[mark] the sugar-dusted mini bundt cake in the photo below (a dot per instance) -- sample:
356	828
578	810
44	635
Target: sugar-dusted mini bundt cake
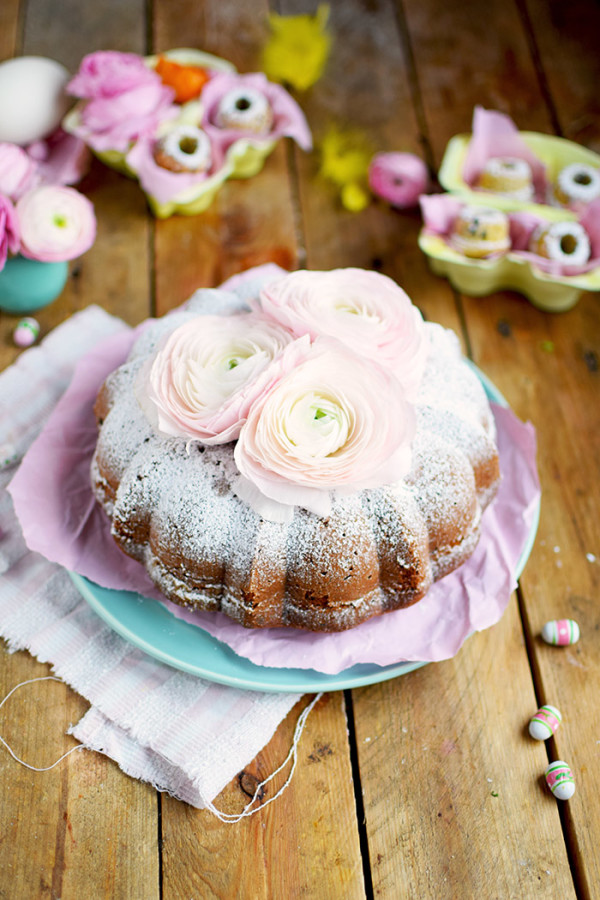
480	231
509	176
562	242
335	487
576	183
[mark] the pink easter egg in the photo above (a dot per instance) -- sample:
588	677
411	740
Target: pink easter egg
26	333
559	779
544	723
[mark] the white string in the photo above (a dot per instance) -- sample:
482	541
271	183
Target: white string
227	818
11	751
232	818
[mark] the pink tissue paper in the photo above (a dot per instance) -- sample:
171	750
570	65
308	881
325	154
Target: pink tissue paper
61	520
495	134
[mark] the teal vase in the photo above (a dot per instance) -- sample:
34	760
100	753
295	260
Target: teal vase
27	284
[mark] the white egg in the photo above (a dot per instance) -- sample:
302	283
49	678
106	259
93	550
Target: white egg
32	98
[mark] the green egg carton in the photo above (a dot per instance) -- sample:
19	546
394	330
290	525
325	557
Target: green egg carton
190	112
554	152
478	277
244	159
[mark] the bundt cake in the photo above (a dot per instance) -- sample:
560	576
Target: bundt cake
174	505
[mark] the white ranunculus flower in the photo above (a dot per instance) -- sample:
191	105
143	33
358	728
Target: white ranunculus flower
206	374
331	421
365	310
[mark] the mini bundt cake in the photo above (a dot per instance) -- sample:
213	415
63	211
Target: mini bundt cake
184	149
173	506
245	108
479	232
509	176
576	183
567	243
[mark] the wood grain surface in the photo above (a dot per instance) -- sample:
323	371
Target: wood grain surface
427	786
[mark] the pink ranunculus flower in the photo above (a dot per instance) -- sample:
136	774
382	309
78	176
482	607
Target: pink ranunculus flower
57	223
17	171
9	230
398	178
365	310
208	372
331	421
124	100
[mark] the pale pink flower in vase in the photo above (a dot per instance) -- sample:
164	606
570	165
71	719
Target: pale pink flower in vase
57	223
207	373
398	178
332	422
123	100
17	171
365	310
9	230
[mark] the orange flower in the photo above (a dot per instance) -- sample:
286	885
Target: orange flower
186	81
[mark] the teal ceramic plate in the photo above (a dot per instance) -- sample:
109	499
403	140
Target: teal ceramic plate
149	625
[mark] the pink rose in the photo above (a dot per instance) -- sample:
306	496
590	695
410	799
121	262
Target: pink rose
331	421
57	223
207	374
365	310
125	100
398	178
17	171
108	73
9	230
286	117
60	159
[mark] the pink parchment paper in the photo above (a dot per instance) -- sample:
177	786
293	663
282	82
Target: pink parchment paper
495	134
61	520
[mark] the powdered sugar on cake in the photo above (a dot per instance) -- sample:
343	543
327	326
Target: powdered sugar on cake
173	507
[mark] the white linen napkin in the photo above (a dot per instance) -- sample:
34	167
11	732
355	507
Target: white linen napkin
182	734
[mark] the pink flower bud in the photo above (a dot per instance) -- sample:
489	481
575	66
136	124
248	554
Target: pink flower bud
398	178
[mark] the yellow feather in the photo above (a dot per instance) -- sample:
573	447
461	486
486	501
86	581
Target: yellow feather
298	49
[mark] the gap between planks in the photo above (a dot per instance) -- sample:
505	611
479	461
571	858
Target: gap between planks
361	820
416	97
566	822
538	65
414	87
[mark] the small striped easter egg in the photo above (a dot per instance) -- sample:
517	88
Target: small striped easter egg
26	333
561	632
545	722
559	779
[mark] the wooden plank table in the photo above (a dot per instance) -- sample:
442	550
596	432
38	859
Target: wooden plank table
426	786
